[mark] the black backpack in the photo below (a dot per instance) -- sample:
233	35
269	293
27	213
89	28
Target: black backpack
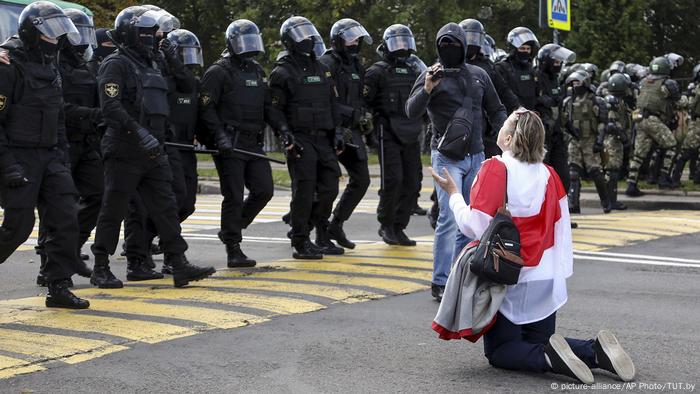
497	257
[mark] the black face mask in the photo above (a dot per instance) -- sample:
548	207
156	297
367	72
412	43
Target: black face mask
472	50
147	40
306	46
401	55
451	56
522	57
352	49
555	69
580	90
48	49
102	52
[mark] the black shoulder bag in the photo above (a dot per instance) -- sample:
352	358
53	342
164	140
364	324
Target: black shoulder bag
456	139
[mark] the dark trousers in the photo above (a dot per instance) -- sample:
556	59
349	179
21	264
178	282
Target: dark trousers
314	184
521	347
356	188
400	183
237	173
189	171
558	157
139	228
152	180
52	191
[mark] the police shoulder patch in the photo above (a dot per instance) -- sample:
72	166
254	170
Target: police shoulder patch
3	102
204	99
329	74
112	89
365	91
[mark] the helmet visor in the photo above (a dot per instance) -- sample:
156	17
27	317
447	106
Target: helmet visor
355	32
191	55
563	55
303	31
416	64
521	38
475	38
397	43
319	46
245	43
161	18
487	50
87	35
56	26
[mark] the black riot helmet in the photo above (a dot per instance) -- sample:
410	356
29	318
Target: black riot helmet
84	25
299	35
489	46
660	66
551	52
522	36
348	30
618	66
579	75
618	84
187	45
476	35
45	18
243	38
397	42
591	69
696	72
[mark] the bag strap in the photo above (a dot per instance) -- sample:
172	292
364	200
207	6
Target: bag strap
505	193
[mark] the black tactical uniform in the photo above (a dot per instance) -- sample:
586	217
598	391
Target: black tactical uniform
517	68
345	65
549	104
388	85
304	112
234	102
139	229
33	150
134	100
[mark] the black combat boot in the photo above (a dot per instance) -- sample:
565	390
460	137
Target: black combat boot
388	235
236	258
60	297
678	167
633	190
335	232
613	177
324	243
41	278
102	276
665	181
184	272
305	250
602	188
83	256
403	238
418	211
81	268
138	270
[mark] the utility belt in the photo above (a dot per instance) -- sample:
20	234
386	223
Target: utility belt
313	133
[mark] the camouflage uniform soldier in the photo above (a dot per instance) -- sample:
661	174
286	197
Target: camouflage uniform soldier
657	96
586	117
691	143
617	138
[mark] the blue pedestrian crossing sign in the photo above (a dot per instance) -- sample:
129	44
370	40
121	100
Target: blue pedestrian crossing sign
559	14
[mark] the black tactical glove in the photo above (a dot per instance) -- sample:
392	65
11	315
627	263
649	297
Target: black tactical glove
289	141
224	143
366	123
148	142
574	131
339	139
169	50
598	144
13	176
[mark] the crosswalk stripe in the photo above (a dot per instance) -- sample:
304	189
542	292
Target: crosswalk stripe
356	268
10	366
383	284
37	346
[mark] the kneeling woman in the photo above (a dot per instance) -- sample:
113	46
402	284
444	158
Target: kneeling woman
523	337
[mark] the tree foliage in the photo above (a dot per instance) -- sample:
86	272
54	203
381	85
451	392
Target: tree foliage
603	30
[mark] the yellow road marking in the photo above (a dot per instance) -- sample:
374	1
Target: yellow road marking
606	234
40	346
598	240
273	304
357	268
392	285
390	262
10	367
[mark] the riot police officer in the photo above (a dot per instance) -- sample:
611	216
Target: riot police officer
618	134
517	69
34	149
586	117
347	38
388	85
134	102
550	59
234	103
476	41
691	143
657	97
304	113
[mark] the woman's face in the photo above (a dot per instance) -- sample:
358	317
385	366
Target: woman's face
505	136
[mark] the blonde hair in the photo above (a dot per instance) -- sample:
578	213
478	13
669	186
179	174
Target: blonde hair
528	135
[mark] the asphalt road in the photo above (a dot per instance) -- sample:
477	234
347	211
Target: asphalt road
364	344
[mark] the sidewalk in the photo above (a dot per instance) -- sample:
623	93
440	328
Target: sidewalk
653	199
